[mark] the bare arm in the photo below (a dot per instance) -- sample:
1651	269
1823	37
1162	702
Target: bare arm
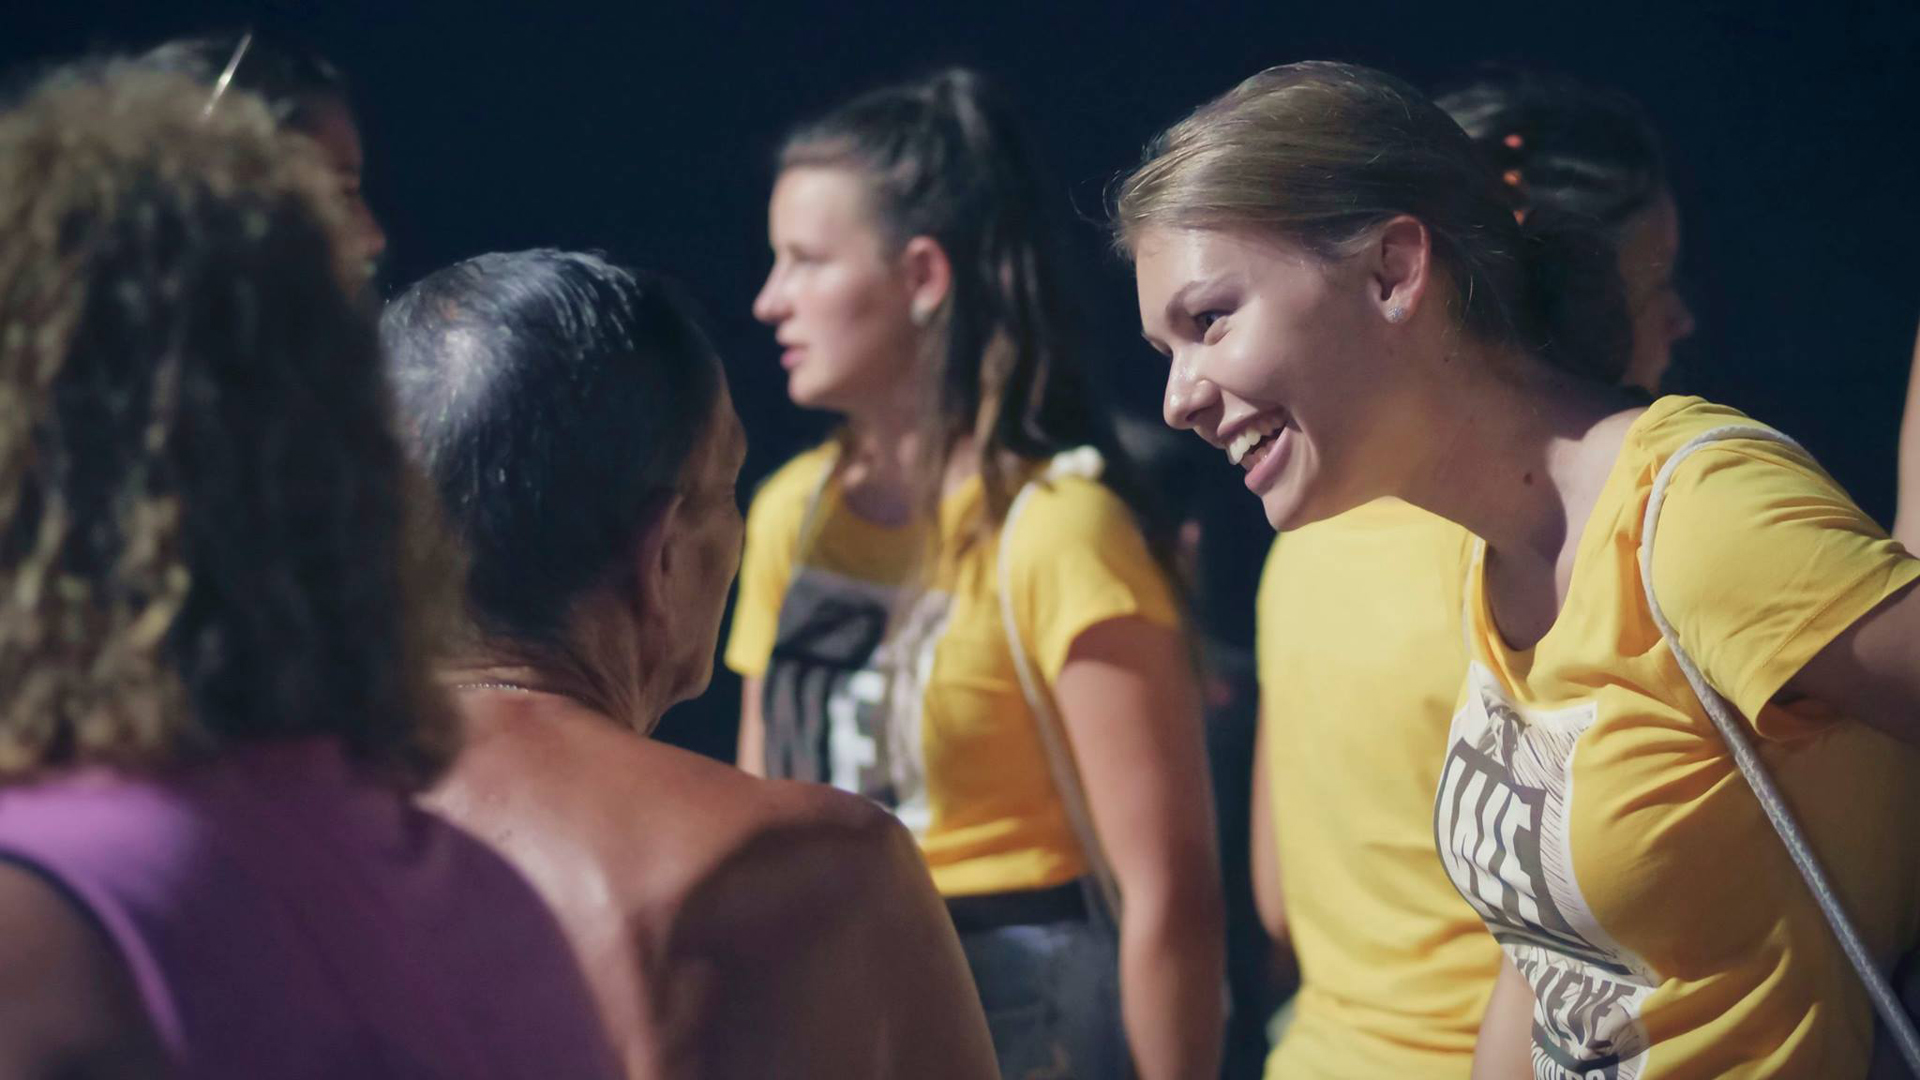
67	1005
1131	710
937	1029
1871	672
753	729
1264	859
1264	862
1505	1050
1906	519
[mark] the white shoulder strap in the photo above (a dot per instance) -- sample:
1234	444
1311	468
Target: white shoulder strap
1086	462
1721	712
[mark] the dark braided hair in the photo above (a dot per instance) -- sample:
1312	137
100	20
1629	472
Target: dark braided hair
1562	149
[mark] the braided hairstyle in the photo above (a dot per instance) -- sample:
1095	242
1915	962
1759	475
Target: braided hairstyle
1570	153
1562	149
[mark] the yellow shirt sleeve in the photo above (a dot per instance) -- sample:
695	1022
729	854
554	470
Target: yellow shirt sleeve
766	564
1760	561
1078	560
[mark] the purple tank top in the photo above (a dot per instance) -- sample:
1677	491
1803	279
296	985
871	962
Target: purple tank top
283	917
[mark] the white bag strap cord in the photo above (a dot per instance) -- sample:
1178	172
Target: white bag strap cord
1897	1022
1083	462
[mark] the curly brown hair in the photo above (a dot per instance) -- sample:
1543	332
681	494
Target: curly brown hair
201	529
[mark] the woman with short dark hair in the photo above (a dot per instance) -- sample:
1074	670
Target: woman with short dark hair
579	431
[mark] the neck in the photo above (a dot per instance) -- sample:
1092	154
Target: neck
502	675
882	467
886	449
1509	433
609	678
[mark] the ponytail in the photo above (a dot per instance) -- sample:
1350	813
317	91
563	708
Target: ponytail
944	157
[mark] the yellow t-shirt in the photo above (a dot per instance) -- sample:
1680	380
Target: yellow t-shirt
1360	659
930	720
1594	816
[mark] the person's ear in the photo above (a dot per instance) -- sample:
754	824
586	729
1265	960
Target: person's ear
658	555
928	276
1400	268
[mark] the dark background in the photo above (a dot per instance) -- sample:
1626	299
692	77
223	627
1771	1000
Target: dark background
646	131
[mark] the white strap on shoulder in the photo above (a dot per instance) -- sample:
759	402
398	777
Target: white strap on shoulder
1734	732
1084	461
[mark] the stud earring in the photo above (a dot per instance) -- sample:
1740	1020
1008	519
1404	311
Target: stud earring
1396	313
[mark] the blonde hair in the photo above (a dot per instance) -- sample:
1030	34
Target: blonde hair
200	509
1321	153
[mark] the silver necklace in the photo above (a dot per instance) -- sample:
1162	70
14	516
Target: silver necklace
517	688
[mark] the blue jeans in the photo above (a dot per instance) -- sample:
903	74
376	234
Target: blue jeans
1052	998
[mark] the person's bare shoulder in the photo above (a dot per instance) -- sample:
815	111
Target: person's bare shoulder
778	928
689	842
67	1003
792	851
742	858
807	917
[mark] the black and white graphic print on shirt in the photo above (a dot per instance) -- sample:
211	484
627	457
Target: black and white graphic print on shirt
1500	824
843	697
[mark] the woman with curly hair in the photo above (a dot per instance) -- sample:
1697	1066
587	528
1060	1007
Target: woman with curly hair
213	710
